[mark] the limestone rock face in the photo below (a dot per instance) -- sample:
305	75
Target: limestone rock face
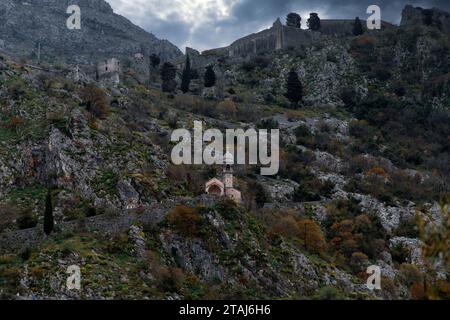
23	25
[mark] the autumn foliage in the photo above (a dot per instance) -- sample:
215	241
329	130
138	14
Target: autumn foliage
184	220
95	100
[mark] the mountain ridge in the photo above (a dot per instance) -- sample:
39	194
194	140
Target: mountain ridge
24	26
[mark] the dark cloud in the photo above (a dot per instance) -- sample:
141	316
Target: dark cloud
173	29
248	16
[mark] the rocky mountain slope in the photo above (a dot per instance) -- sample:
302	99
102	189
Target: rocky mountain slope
363	179
24	25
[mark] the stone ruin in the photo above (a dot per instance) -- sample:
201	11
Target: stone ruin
108	71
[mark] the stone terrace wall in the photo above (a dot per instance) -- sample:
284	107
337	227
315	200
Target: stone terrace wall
294	38
106	224
338	27
263	41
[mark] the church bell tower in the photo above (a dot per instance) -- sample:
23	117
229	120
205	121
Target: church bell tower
228	163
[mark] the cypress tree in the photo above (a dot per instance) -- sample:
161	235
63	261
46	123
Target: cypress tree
357	27
48	214
294	88
210	77
155	60
168	74
186	76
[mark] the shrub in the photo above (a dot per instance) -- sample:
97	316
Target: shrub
91	212
14	123
400	253
312	190
16	88
377	171
169	279
358	261
259	61
311	236
268	124
360	129
26	220
410	274
185	221
407	228
329	293
260	194
417	291
227	108
286	227
95	100
227	208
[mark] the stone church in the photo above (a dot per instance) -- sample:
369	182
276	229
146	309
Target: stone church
224	188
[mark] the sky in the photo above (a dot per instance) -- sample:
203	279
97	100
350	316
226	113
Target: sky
207	24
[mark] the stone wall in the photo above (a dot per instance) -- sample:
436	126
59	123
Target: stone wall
105	224
275	38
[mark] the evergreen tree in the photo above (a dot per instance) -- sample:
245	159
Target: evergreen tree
168	74
294	88
357	27
210	77
294	20
314	21
48	214
155	60
186	76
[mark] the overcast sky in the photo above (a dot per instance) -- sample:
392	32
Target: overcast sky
206	24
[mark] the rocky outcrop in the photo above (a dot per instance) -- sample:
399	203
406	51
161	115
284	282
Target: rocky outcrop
26	25
416	16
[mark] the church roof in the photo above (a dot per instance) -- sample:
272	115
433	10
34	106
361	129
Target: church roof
216	182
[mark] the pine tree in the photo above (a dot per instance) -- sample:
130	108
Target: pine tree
210	77
357	27
168	74
294	20
314	22
294	88
186	76
48	214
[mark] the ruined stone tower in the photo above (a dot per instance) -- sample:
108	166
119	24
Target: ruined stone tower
278	31
108	71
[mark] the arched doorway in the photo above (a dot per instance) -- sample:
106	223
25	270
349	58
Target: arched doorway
215	190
